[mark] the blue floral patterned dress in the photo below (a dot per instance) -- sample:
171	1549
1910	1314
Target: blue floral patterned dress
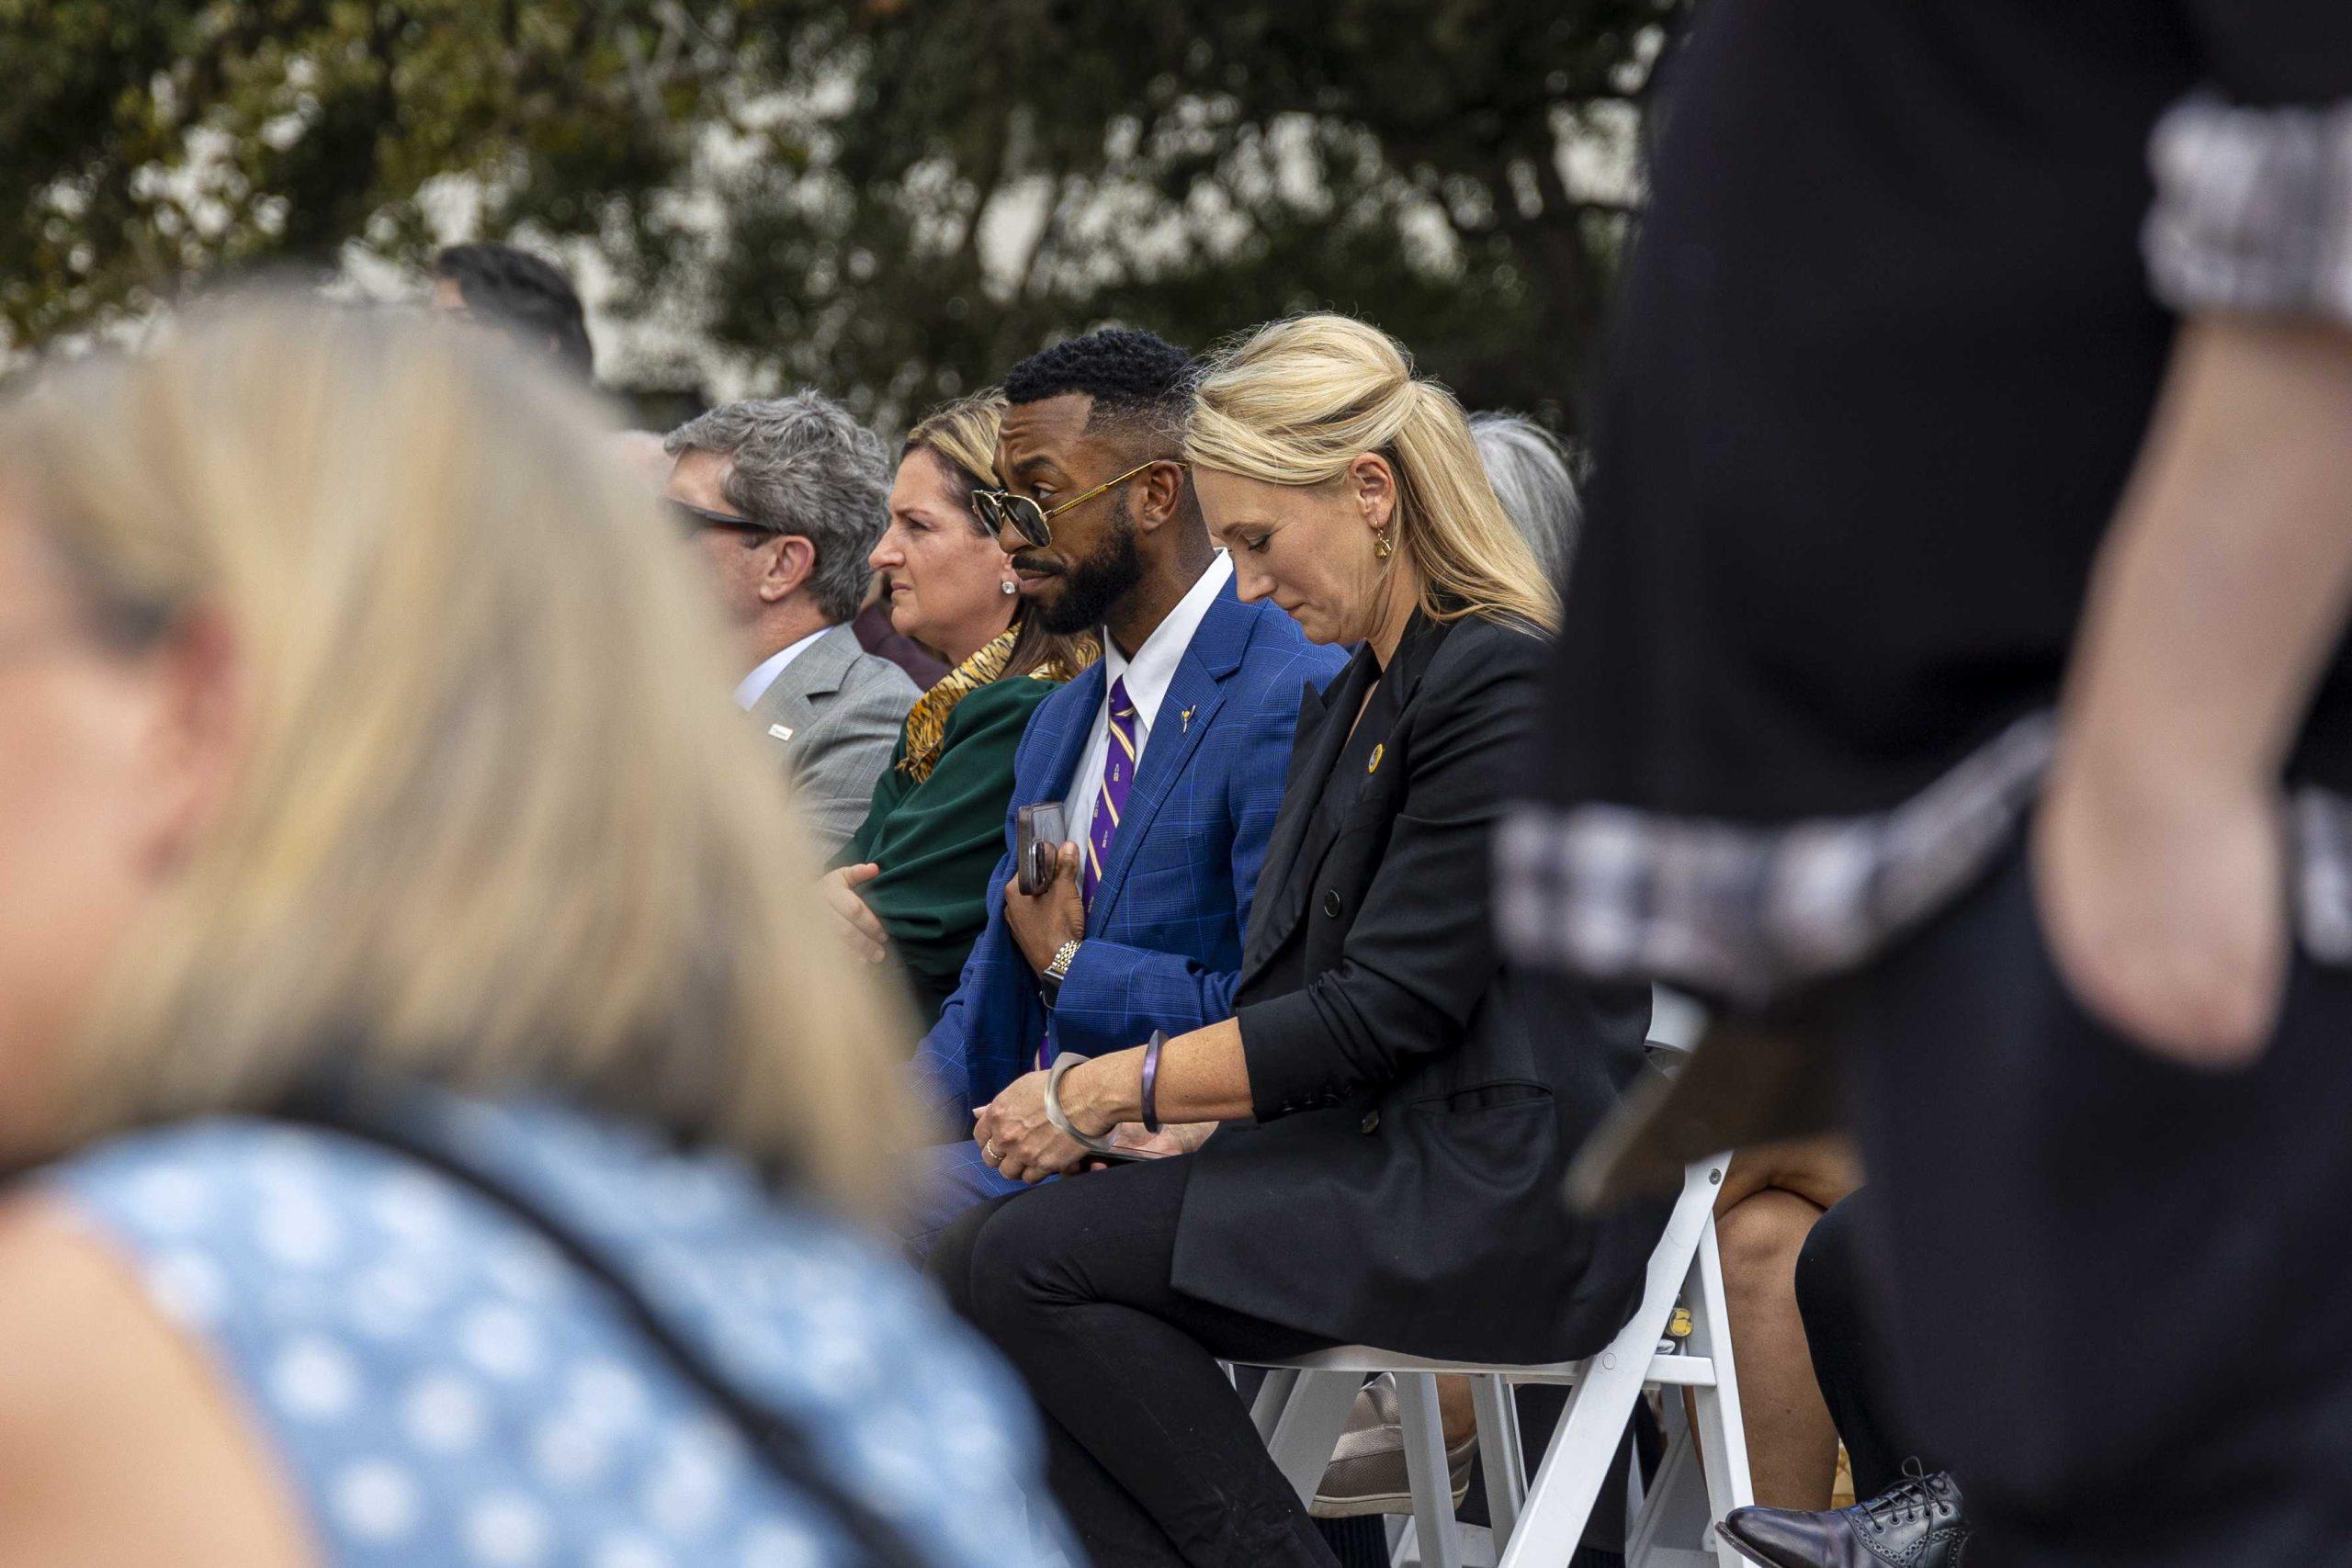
445	1387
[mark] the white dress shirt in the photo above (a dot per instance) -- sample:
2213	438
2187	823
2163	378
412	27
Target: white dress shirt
754	686
1147	675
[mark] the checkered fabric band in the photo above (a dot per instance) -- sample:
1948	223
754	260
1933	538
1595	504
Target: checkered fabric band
1746	914
2253	211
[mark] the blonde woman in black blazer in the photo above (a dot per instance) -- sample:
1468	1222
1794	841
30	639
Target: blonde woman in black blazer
1371	1148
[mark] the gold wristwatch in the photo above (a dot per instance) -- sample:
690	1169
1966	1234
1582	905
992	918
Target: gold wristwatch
1050	982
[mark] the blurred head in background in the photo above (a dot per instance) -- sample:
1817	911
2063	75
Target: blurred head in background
1348	490
784	498
519	294
1534	483
315	765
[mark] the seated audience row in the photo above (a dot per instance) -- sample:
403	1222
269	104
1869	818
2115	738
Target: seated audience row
531	996
925	882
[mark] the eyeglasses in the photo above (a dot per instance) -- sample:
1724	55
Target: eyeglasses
1033	522
694	519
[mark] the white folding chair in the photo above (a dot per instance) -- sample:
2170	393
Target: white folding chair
1303	1407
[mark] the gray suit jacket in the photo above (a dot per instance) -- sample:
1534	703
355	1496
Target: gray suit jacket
833	718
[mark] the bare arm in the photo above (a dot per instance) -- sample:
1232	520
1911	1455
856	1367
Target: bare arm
117	1443
1204	1080
2221	590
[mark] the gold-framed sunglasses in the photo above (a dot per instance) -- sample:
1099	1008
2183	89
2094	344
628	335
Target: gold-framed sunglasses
1033	522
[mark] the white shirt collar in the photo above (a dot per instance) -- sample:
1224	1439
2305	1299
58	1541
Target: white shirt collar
1148	674
754	686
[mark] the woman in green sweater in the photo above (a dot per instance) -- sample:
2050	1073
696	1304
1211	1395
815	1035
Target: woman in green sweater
913	883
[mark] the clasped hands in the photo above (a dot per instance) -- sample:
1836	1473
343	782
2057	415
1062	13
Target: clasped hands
1017	1138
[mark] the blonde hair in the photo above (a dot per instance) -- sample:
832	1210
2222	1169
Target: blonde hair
494	823
1297	401
963	433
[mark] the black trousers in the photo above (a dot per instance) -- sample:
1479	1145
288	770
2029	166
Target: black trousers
1150	1451
2121	1289
1857	1351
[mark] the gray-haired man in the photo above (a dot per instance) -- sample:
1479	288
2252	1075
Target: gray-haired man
786	498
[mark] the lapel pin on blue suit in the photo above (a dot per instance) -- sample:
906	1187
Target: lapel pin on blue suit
1184	722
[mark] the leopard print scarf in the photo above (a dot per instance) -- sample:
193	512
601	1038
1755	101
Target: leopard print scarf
927	723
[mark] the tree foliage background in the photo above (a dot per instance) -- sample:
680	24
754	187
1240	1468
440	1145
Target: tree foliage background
891	199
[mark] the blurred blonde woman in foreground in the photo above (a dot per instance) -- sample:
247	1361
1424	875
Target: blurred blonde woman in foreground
426	1070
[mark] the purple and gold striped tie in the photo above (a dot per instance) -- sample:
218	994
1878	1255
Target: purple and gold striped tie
1118	777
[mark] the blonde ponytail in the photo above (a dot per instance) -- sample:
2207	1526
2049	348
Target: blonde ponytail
1298	400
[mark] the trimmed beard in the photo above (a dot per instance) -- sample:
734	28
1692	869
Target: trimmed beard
1101	580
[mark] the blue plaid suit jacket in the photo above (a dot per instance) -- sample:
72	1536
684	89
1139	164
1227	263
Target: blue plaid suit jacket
1163	935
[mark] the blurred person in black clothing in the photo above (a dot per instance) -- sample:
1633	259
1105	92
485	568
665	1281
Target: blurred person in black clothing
527	298
1951	689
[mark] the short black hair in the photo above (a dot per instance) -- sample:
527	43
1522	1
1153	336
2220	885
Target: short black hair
1136	378
528	298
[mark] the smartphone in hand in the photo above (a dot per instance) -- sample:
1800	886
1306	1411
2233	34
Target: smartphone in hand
1039	832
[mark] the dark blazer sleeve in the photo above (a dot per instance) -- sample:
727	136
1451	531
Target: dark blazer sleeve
2270	53
1422	953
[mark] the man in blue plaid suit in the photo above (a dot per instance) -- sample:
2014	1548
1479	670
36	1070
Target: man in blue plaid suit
1169	754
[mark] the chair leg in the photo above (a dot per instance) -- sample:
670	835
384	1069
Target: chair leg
1266	1409
1672	1523
1309	1425
1425	1467
1501	1455
1560	1499
1722	1432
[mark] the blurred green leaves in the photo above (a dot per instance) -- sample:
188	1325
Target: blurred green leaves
889	199
148	142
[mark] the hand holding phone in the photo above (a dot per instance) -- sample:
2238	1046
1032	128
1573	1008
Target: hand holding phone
1038	834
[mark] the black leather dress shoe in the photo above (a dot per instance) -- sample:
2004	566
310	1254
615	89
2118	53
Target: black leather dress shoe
1918	1523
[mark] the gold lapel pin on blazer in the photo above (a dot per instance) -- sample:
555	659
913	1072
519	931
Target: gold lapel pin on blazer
781	731
1184	726
1377	749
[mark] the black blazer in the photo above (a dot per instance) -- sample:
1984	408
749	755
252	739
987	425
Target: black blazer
1415	1114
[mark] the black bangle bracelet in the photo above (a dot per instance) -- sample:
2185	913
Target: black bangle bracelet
1151	1080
